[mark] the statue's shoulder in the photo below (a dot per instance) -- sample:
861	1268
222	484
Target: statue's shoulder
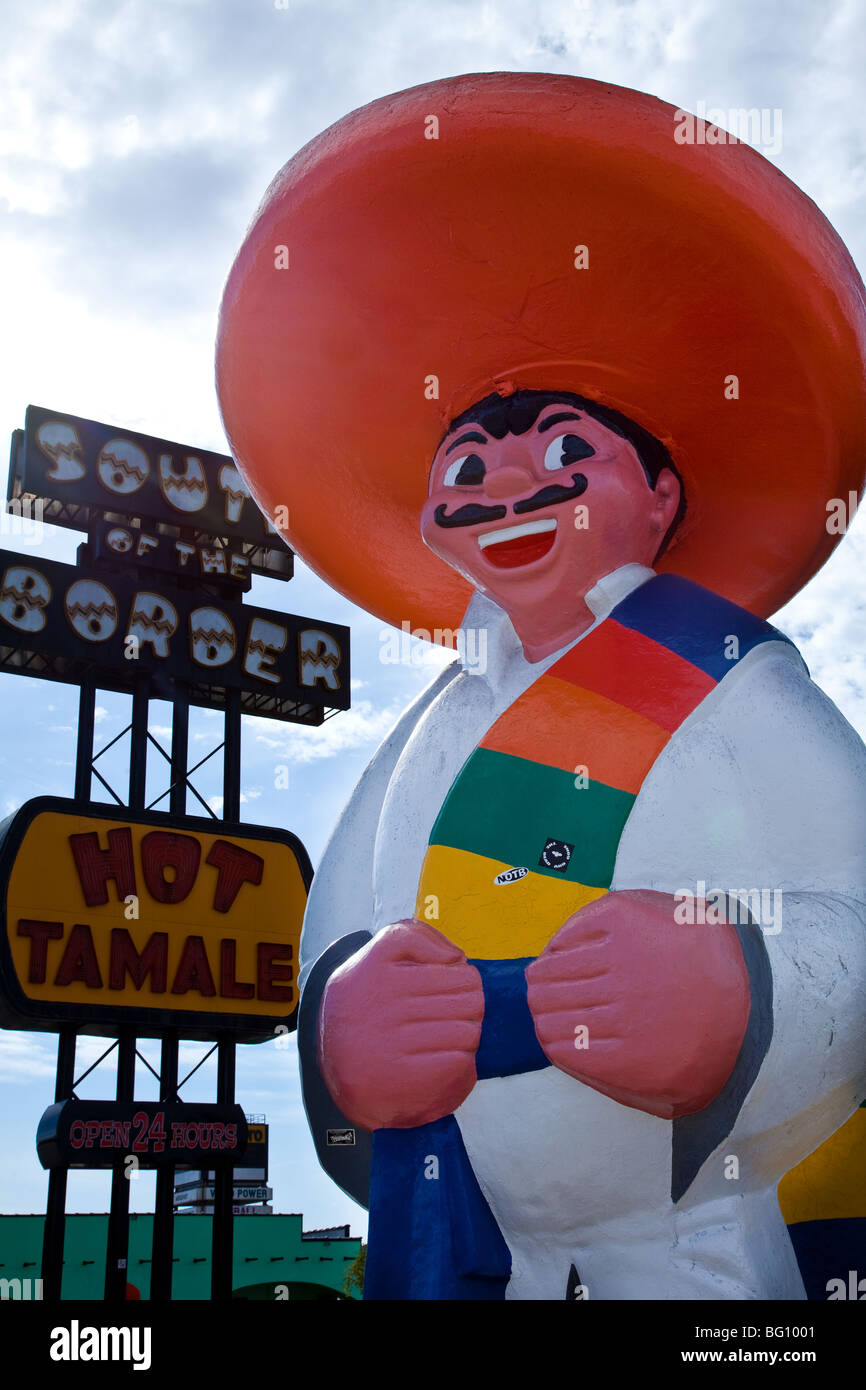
697	625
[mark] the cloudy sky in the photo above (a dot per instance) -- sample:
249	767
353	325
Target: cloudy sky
136	142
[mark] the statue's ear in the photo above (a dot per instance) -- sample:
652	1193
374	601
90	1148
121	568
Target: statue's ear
668	491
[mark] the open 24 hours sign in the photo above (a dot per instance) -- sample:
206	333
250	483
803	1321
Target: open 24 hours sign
117	919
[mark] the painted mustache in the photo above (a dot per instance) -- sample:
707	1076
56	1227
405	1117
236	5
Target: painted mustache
474	512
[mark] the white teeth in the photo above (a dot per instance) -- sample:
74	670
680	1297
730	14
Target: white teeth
513	533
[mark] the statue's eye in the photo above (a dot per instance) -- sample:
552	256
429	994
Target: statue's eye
467	471
566	449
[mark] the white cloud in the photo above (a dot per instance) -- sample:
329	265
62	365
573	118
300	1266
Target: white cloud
25	1057
362	726
827	621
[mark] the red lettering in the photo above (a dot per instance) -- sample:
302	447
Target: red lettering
230	988
124	959
40	934
235	867
139	1143
79	961
193	969
269	970
96	866
156	1133
164	849
76	1134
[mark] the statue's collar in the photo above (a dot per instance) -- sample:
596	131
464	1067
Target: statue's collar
503	649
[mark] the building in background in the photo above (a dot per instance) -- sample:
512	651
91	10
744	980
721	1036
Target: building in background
251	1196
273	1260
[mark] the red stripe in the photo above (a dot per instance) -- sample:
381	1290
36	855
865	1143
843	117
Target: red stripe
625	666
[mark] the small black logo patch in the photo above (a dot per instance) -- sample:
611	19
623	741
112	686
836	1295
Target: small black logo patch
556	855
341	1136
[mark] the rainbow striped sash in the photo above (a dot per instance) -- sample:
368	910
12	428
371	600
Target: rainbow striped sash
530	829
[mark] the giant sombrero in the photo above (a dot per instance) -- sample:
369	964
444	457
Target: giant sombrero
453	258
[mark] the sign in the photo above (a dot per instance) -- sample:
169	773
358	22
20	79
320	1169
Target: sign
61	622
111	546
128	919
104	1133
249	1192
341	1137
84	472
256	1155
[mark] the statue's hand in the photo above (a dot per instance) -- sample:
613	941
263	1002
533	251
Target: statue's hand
648	1011
399	1027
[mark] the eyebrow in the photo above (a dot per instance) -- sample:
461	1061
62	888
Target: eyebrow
474	438
557	419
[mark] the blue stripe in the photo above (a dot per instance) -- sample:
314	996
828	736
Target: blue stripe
694	623
828	1250
509	1043
432	1234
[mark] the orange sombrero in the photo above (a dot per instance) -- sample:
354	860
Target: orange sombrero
431	240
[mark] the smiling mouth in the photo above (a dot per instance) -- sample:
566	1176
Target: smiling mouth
511	546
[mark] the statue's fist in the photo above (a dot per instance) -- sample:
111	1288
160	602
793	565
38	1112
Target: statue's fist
399	1026
640	1007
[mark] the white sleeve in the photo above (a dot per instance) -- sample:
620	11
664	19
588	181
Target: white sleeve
341	896
763	787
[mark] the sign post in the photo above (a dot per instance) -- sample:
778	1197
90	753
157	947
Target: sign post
153	923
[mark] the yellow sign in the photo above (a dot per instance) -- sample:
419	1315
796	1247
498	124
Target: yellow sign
111	913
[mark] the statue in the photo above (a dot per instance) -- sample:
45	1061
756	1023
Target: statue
584	963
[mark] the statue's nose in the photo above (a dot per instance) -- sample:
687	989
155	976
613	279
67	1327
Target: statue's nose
507	481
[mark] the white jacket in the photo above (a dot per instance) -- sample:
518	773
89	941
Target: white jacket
762	786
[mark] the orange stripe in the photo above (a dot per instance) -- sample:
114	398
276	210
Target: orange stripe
561	726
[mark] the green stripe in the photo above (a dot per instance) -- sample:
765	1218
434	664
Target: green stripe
507	808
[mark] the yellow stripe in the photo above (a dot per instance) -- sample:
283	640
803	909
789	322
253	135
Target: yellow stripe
457	895
830	1183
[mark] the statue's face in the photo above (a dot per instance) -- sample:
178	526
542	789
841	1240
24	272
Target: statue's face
535	520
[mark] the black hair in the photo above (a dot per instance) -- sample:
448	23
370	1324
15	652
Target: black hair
517	413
